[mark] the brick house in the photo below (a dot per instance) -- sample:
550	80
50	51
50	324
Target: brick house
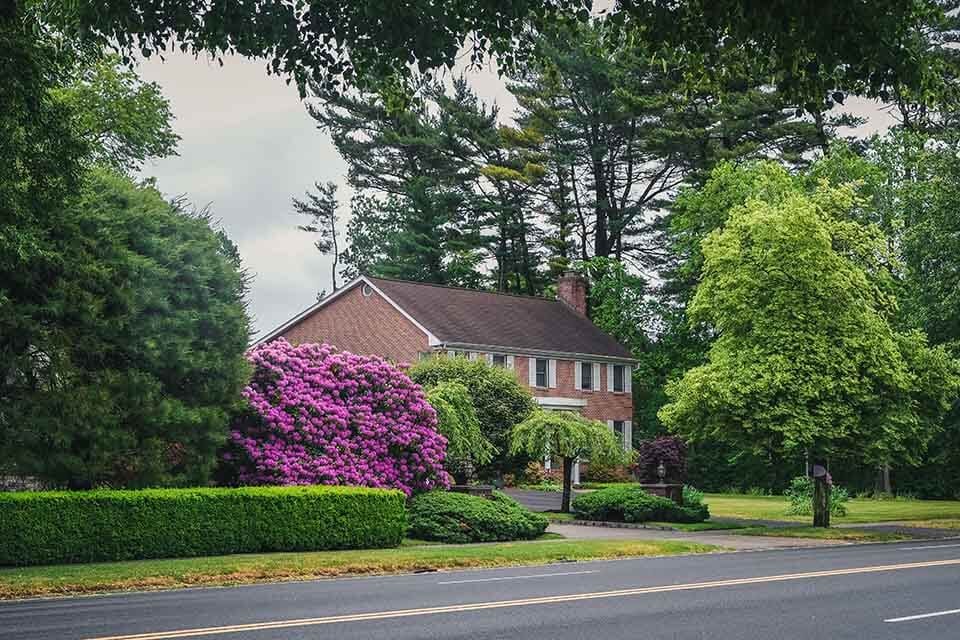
554	349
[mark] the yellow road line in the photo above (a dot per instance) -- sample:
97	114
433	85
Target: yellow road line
525	602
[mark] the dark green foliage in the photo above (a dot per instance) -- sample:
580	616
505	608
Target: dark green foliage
630	503
811	48
96	526
149	313
411	214
459	517
498	399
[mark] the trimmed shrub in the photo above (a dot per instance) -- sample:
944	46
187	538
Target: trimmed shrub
630	503
93	526
800	494
459	517
317	416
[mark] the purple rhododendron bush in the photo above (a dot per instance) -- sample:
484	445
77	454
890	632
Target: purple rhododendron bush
318	416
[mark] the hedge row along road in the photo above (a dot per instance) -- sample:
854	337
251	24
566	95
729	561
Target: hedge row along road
93	526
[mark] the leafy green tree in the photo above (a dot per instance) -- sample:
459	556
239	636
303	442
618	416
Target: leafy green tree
321	208
816	47
467	447
806	356
498	399
150	306
568	436
125	119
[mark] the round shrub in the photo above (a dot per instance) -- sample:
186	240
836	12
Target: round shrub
317	416
630	503
446	516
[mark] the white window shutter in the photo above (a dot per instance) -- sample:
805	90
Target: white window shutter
490	358
509	362
473	355
609	377
628	435
628	378
610	424
596	376
552	373
532	371
576	374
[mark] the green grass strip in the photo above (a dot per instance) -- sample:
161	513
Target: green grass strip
269	567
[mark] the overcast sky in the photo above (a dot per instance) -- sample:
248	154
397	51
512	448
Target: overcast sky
248	146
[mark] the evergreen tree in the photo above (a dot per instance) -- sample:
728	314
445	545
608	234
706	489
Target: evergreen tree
321	208
413	210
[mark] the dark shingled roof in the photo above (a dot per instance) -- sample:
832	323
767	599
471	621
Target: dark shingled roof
467	316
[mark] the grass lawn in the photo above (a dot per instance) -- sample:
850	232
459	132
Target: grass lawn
852	535
557	516
240	569
947	523
775	507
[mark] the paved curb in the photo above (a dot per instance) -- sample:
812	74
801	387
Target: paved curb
618	525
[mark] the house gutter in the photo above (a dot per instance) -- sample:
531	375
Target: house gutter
545	353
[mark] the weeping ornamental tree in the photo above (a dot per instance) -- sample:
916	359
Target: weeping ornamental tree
568	436
467	447
806	356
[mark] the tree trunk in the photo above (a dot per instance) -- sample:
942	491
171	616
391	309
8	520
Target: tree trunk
821	502
567	484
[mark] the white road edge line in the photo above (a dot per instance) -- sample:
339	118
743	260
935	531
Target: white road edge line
523	602
539	575
930	546
935	614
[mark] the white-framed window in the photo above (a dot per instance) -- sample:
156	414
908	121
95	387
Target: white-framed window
366	290
619	383
498	360
586	376
624	432
618	378
425	355
542	372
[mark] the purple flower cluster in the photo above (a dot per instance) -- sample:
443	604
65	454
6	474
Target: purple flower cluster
326	417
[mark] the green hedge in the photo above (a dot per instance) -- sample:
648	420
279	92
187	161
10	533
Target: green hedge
459	517
90	526
630	503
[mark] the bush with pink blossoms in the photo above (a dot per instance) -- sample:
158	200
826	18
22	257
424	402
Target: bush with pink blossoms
318	416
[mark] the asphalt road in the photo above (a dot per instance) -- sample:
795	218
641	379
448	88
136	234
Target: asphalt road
827	593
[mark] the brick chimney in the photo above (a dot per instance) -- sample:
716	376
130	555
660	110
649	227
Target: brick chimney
572	291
